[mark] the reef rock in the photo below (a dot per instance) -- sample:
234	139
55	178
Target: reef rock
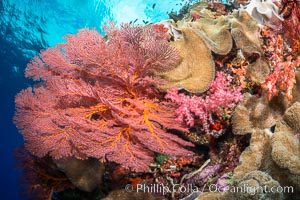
86	175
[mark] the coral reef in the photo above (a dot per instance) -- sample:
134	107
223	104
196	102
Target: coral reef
218	33
282	78
245	32
296	91
290	10
202	177
292	117
210	97
253	157
257	179
215	33
274	145
258	157
270	153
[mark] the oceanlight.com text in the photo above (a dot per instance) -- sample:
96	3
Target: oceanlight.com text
176	188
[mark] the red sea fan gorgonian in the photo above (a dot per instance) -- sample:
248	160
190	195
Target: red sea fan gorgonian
97	98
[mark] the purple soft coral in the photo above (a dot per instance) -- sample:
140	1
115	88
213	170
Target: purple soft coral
204	175
223	182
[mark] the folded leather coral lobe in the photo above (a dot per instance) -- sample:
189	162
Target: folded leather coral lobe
97	98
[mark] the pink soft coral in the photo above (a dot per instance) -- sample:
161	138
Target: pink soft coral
200	109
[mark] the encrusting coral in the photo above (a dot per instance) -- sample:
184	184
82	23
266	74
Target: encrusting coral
98	99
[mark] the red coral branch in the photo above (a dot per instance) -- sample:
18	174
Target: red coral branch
282	77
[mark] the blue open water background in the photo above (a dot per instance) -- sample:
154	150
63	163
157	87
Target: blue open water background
26	27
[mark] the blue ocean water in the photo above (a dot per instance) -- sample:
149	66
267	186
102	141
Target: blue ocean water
26	27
